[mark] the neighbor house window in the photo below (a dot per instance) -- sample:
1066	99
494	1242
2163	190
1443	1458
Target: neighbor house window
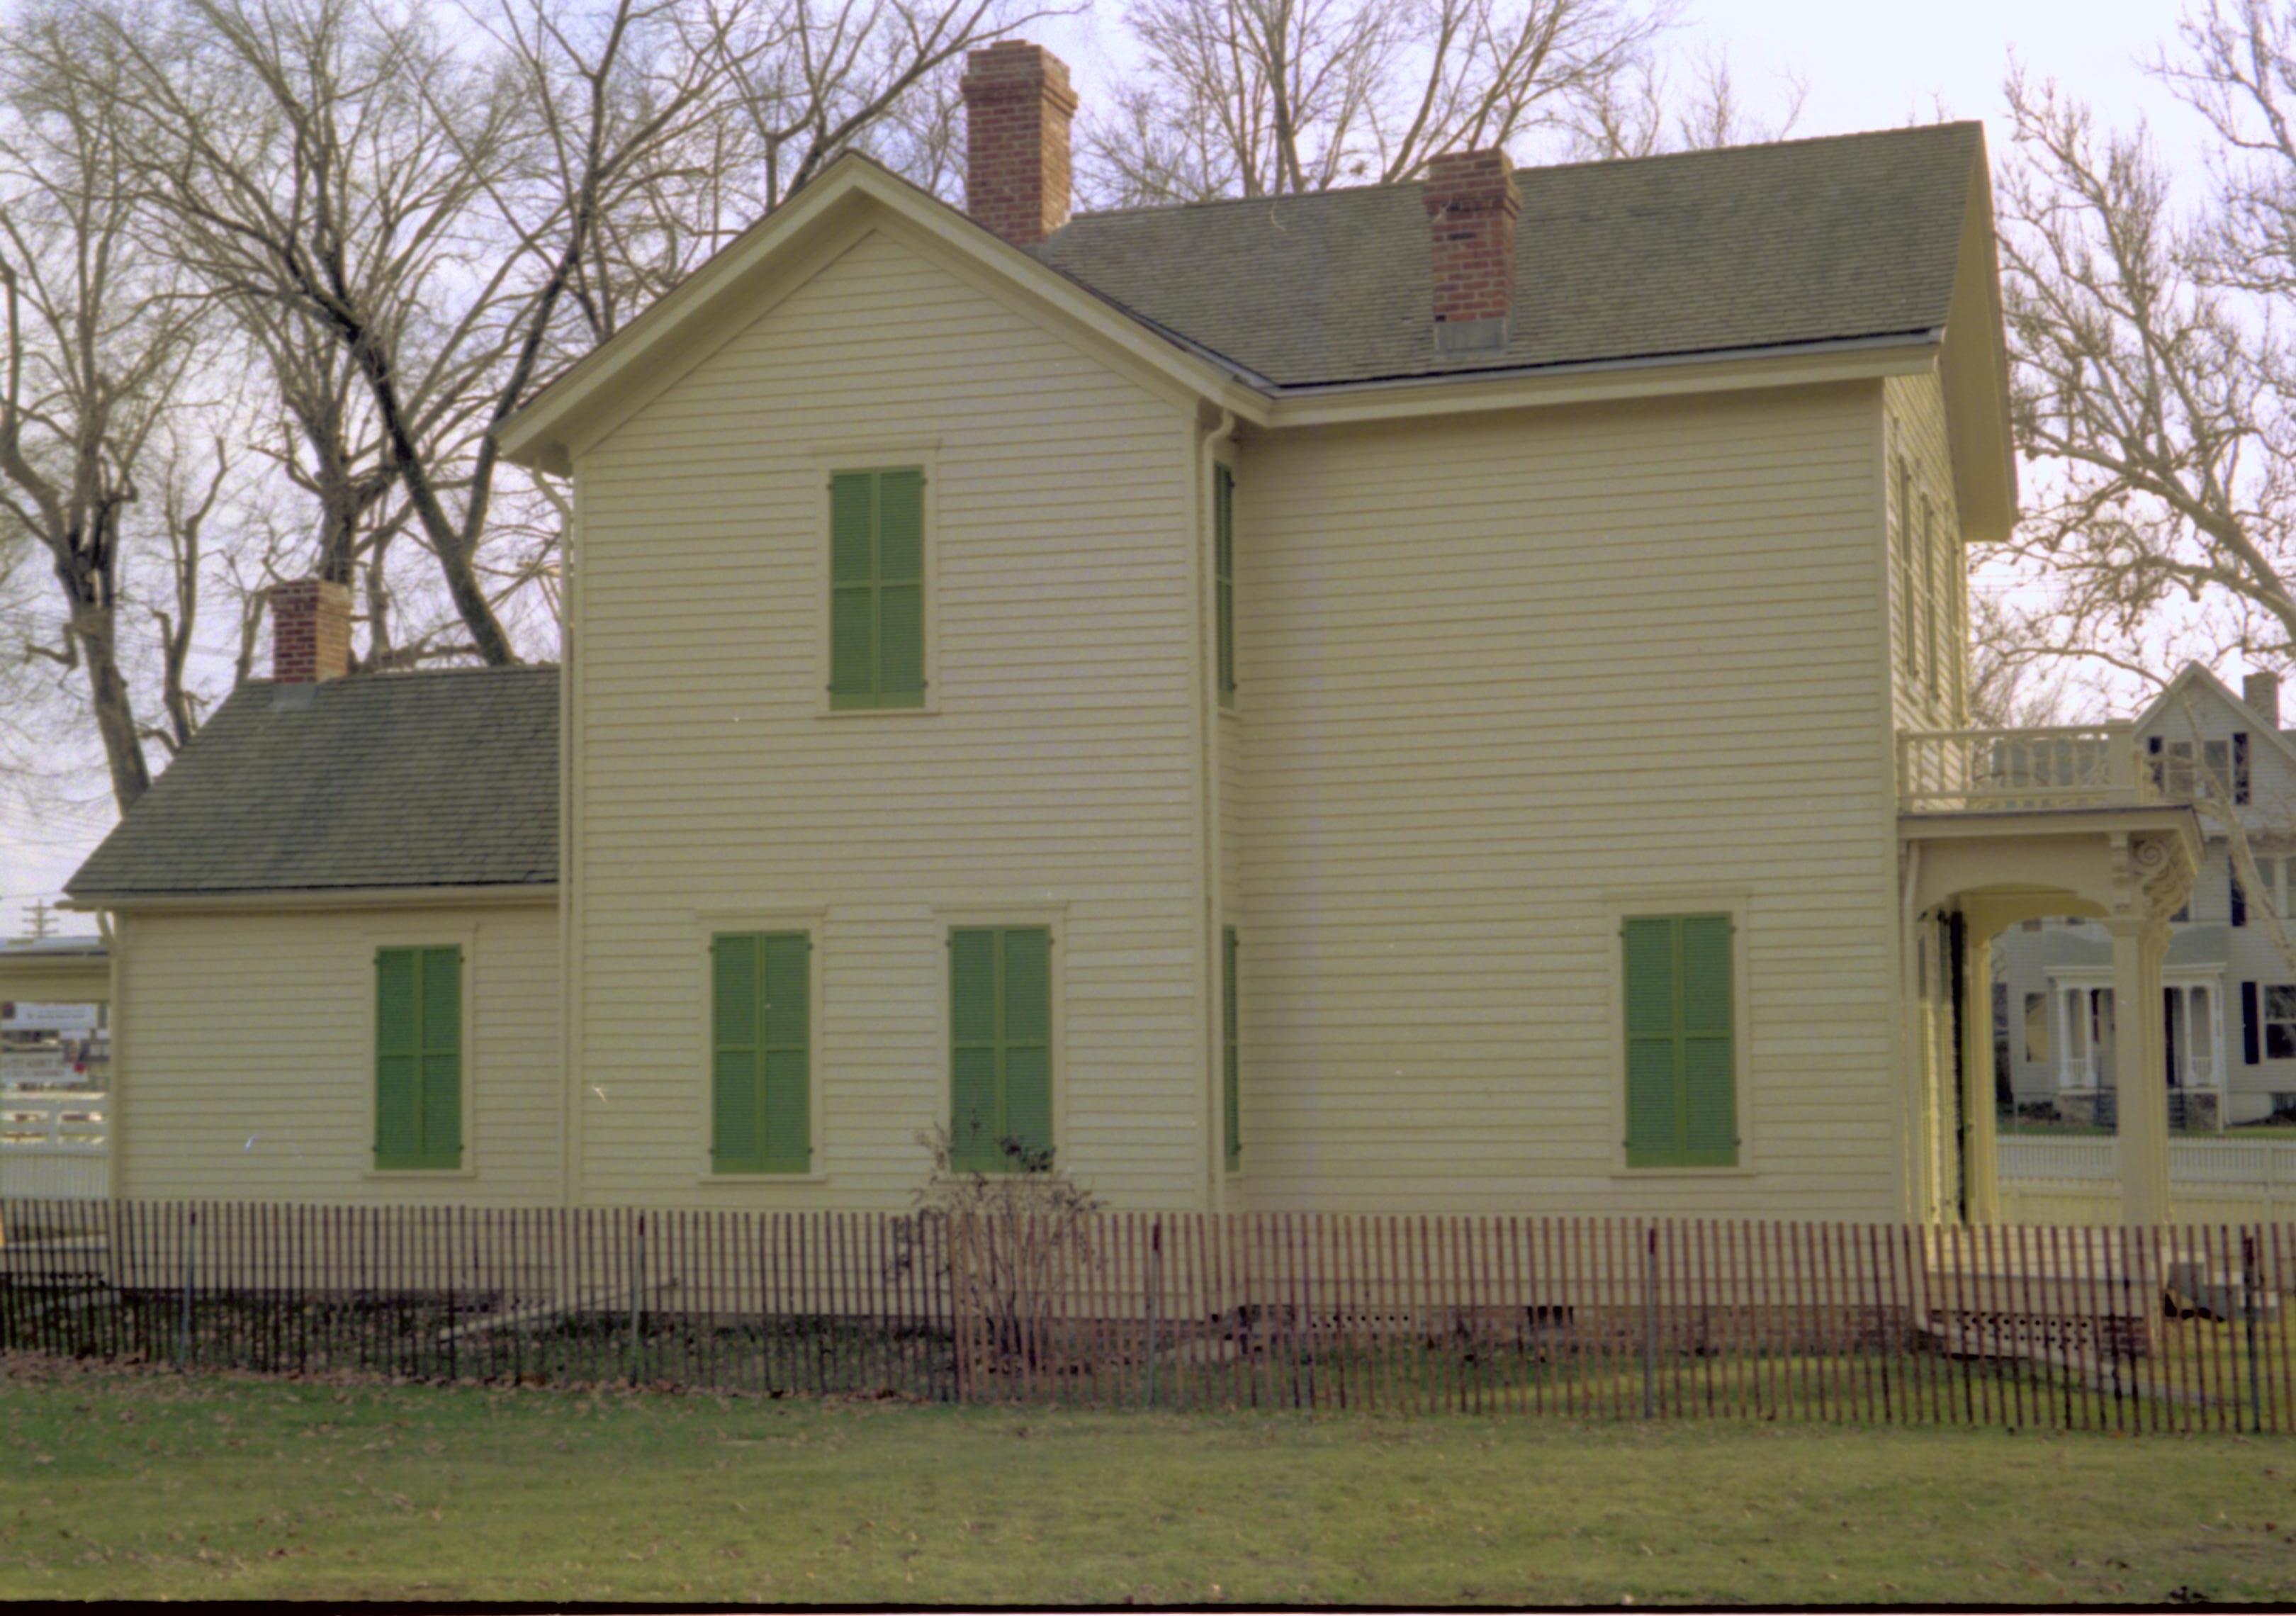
2037	1029
1224	577
877	589
2280	1023
1681	1044
1231	1068
1000	1045
418	1058
2218	770
760	1052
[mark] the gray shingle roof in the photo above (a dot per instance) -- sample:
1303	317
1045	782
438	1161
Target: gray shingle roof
1854	235
391	780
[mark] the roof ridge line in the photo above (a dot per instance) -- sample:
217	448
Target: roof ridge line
1283	197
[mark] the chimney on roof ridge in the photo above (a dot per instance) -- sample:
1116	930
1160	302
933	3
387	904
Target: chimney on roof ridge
310	631
1471	208
1017	109
2261	693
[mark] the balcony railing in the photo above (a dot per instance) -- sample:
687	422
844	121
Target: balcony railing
1953	771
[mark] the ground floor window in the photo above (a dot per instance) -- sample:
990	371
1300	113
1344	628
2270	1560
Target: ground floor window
418	1058
2279	1023
1000	1047
760	1053
1681	1041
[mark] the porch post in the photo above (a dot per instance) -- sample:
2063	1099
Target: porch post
2150	880
1979	1163
2139	1056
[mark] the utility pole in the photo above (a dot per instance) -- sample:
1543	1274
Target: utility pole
42	920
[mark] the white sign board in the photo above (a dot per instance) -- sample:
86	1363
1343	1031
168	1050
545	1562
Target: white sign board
74	1021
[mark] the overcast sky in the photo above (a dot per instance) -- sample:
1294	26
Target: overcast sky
1866	67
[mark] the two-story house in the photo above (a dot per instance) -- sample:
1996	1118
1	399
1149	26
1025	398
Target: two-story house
1444	696
2228	998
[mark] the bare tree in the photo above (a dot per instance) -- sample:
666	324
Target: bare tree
1651	105
2009	687
1263	97
2153	380
97	336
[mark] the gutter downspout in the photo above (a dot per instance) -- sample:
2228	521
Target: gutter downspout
1208	710
1912	1072
113	930
570	1070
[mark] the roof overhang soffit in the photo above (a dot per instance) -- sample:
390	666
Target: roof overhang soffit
1973	370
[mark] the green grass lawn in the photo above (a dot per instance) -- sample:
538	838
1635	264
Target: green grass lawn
117	1484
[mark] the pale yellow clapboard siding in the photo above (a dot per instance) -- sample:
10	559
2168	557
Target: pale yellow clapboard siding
1914	410
249	1071
1502	673
1057	775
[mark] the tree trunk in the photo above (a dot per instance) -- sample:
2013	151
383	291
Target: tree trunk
115	716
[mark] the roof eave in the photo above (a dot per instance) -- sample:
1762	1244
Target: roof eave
1974	371
503	892
1784	364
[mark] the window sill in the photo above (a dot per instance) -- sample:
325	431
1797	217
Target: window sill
747	1180
931	710
1740	1171
419	1174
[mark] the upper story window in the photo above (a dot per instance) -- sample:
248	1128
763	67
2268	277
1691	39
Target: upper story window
877	588
1933	558
1909	641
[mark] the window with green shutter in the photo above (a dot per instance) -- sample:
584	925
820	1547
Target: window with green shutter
1908	640
1224	577
1000	1045
760	1053
1232	1070
418	1058
1681	1044
877	588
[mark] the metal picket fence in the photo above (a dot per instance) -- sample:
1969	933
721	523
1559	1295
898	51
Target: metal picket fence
2126	1329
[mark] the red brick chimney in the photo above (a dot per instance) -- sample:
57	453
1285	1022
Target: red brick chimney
310	631
1017	107
1471	208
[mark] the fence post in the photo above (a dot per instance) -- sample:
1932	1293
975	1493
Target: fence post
637	1301
2248	1312
183	1307
1155	1283
1650	1322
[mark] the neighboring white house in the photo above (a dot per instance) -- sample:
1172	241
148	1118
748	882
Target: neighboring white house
2228	987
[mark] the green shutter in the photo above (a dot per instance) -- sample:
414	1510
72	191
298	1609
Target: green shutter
442	1057
1231	1070
398	1058
1709	1110
876	589
1001	1043
760	1053
418	1058
975	1123
1224	577
1681	1045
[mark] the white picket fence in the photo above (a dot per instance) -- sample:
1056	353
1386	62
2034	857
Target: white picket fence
2210	1180
55	1145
